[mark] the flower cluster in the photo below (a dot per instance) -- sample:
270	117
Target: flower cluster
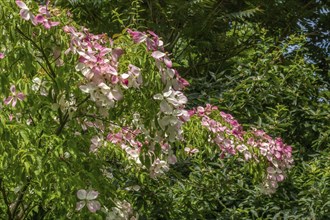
172	115
229	136
223	134
122	211
39	85
172	100
126	139
41	18
65	105
99	65
97	124
279	157
158	168
96	143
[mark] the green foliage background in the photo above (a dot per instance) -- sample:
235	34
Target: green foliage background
251	58
267	63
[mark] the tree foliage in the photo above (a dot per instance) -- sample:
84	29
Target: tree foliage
123	146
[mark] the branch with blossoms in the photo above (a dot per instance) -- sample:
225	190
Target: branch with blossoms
43	17
133	104
255	146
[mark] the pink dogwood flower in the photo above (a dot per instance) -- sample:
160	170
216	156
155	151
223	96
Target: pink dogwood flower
190	151
138	37
41	18
25	12
88	198
158	55
2	55
13	98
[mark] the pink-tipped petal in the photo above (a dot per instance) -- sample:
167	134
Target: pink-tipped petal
280	177
39	18
54	23
46	24
14	101
172	159
89	57
92	195
152	33
21	5
93	206
13	88
20	96
43	10
25	14
104	51
8	100
168	62
116	53
157	54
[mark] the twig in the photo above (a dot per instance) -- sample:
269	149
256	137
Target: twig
52	74
20	198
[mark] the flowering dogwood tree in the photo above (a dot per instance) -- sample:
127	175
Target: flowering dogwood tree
87	120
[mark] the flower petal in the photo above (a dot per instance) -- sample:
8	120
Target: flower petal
43	10
170	72
8	100
158	97
116	94
14	101
87	88
81	194
271	170
37	80
13	88
39	18
92	194
125	76
54	23
168	62
93	206
21	5
20	96
280	177
157	54
25	14
46	24
80	66
80	205
172	159
165	107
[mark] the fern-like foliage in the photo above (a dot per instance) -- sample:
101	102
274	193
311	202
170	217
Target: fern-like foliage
244	14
